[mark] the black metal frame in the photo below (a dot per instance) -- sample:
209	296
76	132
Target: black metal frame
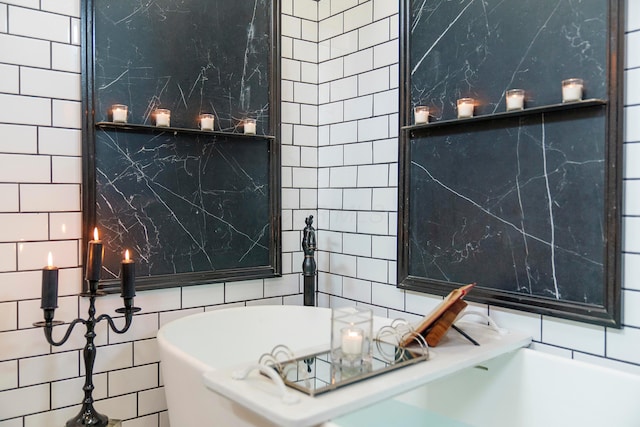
609	313
89	125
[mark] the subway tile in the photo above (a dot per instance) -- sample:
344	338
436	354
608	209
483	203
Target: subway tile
622	344
324	135
373	81
308	198
25	400
372	223
330	27
342	133
49	197
358	16
393	224
119	408
385	102
286	51
133	379
65	57
307	9
631	134
3	18
151	401
358	108
65	225
8	259
330	241
514	320
324	10
22	343
632	56
24	110
384	8
285	285
49	83
112	357
394	124
9	79
373	34
170	316
421	304
343	221
8	316
16	227
344	265
607	363
324	51
198	296
290	155
631	197
286	7
373	175
385	151
290	69
67	170
246	290
342	45
309	72
39	25
309	158
394	76
394	26
18	139
66	114
24	51
308	115
286	132
384	247
356	244
305	51
358	62
632	89
286	178
19	285
25	168
630	271
356	289
305	135
76	27
290	198
145	352
385	199
575	335
58	141
52	367
342	89
387	296
291	26
330	70
357	154
329	198
30	312
305	93
632	15
338	6
33	255
57	417
291	240
630	304
8	375
343	177
374	128
305	178
372	269
631	227
64	7
330	113
309	30
357	199
290	112
631	154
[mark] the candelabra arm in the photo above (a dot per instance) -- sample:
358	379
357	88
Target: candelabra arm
128	319
48	330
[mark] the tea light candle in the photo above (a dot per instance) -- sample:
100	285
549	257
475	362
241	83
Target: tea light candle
421	114
515	99
352	339
163	117
94	258
127	277
250	126
206	121
119	113
572	90
465	108
49	298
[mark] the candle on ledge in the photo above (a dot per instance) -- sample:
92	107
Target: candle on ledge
421	114
572	90
465	108
352	339
49	298
128	277
515	99
163	117
95	252
250	126
119	113
206	121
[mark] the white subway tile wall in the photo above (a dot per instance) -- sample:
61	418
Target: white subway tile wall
339	163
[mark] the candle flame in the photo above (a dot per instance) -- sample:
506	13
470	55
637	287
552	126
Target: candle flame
126	255
95	234
50	260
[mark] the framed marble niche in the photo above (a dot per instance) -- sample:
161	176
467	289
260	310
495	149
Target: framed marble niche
193	206
524	203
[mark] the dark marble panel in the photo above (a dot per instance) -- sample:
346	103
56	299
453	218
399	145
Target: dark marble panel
516	204
182	203
189	56
480	48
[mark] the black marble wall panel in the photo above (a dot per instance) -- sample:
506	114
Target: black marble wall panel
480	49
182	203
518	207
189	56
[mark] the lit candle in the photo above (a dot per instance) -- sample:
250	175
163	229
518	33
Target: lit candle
421	114
95	252
206	121
163	117
119	113
250	126
49	298
465	108
572	90
128	277
352	341
515	99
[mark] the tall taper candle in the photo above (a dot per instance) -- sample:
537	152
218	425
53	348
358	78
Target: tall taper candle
128	277
95	252
49	285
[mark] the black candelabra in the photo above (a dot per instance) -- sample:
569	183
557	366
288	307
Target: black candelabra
88	416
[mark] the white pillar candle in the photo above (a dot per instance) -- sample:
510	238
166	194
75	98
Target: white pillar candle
572	90
515	99
163	117
352	339
465	108
421	114
250	126
119	113
206	121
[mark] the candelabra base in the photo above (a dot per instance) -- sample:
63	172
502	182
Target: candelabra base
88	417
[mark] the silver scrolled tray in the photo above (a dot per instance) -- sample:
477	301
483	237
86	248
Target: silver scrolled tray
315	374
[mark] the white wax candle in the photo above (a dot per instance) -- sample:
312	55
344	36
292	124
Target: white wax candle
515	99
119	113
421	115
571	92
206	122
163	118
465	108
250	127
352	341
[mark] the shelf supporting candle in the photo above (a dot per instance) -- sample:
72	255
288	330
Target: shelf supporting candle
88	416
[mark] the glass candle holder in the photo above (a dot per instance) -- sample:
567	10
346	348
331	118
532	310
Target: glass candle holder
421	114
163	117
206	121
572	90
249	126
351	336
515	99
465	108
119	113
